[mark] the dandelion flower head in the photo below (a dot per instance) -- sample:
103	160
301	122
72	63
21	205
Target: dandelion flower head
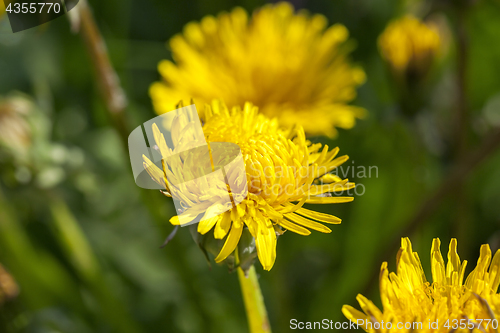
284	171
291	65
410	45
407	297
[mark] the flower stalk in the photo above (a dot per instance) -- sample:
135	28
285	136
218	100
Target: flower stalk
258	321
113	95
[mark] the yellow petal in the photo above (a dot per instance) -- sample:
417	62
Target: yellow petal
175	220
353	314
321	217
330	178
222	228
266	248
154	172
307	223
231	242
336	187
294	227
206	225
160	141
329	200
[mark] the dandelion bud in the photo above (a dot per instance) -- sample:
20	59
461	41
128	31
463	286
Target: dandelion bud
410	47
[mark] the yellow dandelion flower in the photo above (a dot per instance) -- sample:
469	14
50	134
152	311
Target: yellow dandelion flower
3	6
448	304
410	45
8	287
283	170
290	65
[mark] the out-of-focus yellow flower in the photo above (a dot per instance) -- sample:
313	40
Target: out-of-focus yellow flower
284	171
289	65
410	45
408	298
8	287
2	6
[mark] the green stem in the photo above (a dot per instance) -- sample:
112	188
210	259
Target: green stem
254	302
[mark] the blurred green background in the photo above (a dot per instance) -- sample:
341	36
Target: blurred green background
82	240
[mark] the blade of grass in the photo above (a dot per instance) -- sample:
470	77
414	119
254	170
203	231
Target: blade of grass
79	252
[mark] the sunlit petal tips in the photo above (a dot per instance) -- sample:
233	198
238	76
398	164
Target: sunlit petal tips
438	306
